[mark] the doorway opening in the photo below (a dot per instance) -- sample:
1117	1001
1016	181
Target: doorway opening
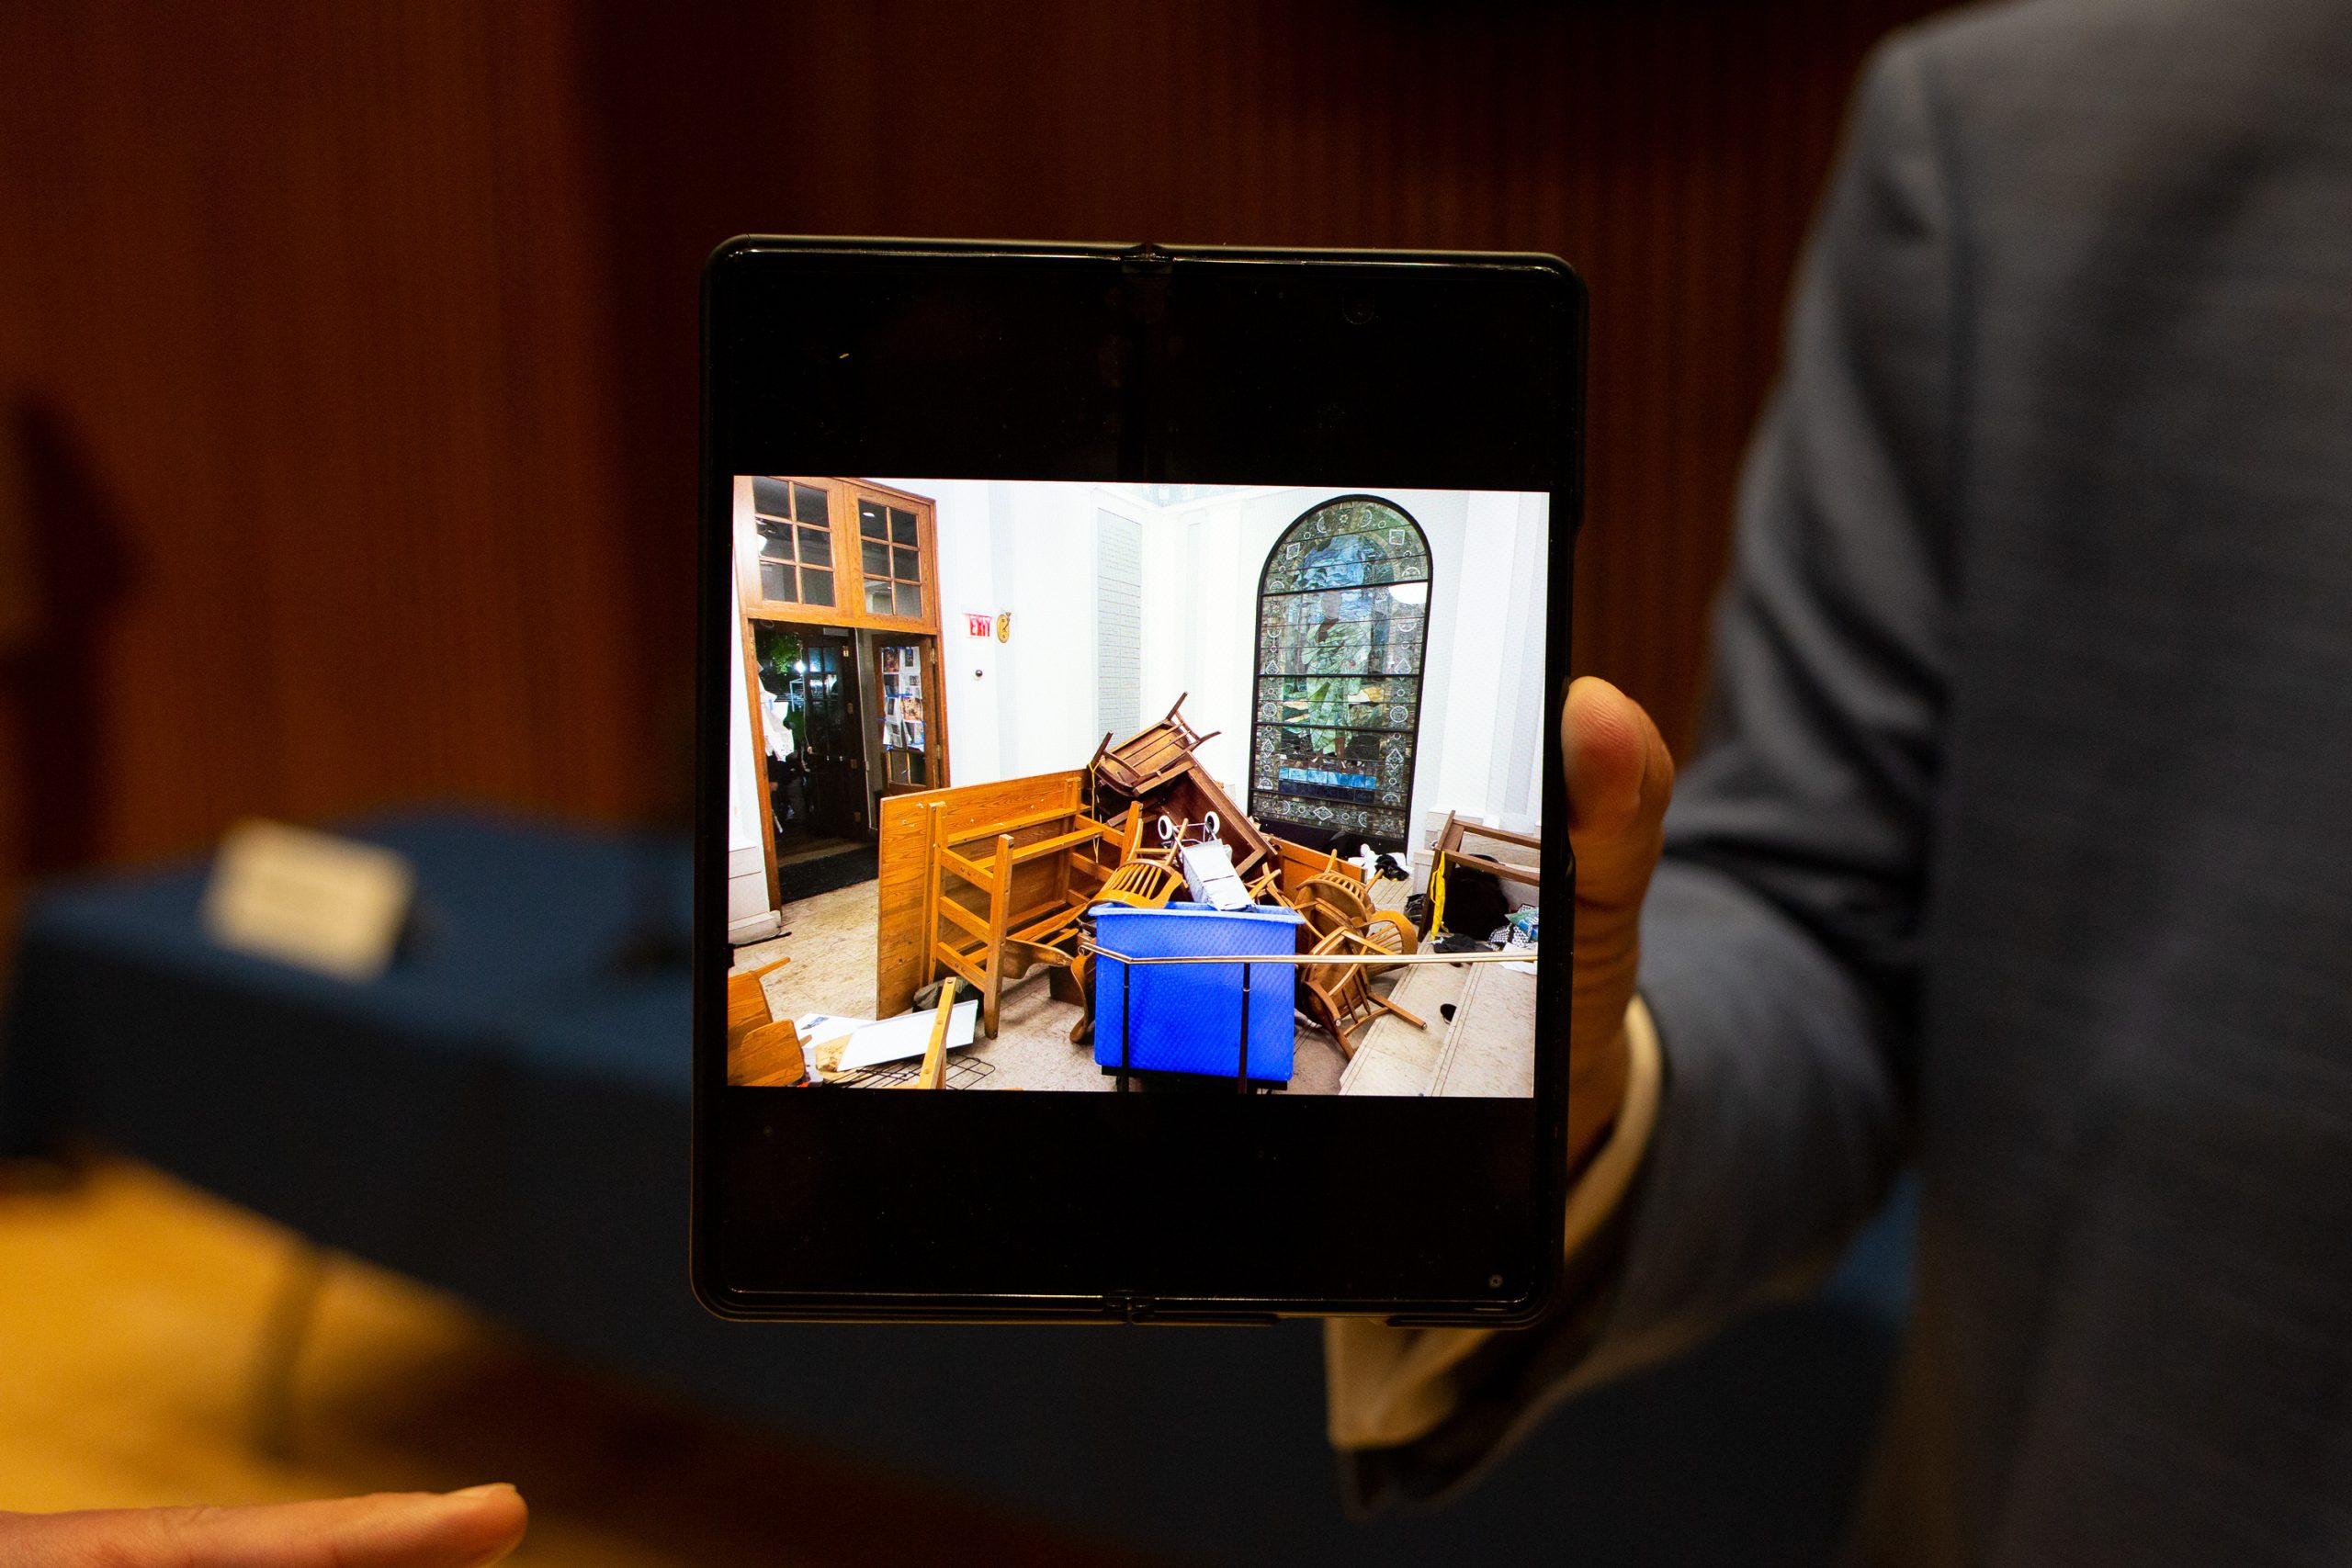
844	716
814	745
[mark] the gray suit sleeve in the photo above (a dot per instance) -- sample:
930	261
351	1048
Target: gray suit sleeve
1780	939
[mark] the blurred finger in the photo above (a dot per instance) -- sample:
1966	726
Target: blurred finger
411	1529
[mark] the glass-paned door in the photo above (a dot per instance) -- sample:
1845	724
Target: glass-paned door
815	750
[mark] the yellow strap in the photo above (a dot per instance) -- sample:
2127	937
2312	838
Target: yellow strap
1437	897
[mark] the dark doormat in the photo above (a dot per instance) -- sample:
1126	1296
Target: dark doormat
807	878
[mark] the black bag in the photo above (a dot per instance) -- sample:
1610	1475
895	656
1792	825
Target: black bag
1474	903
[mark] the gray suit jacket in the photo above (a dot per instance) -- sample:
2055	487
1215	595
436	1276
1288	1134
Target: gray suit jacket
2022	845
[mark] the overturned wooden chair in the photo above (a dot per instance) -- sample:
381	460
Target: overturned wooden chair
1339	997
761	1049
1331	901
1151	757
987	913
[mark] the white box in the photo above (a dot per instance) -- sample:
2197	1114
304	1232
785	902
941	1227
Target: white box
1209	876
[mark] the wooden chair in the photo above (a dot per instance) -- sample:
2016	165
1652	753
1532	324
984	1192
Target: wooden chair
1140	885
1332	902
1340	998
991	941
760	1048
1454	841
1150	757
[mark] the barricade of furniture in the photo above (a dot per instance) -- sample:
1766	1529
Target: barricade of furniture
1154	772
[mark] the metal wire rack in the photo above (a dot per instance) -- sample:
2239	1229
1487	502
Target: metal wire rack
963	1072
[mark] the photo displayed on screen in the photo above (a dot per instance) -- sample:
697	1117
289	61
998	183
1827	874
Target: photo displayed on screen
1142	788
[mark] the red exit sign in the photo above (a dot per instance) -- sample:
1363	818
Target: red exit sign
980	625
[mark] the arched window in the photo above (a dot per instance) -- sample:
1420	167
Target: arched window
1342	621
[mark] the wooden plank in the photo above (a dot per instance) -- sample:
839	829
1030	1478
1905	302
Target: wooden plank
933	1074
927	966
999	906
1014	826
1028	853
970	871
1029	922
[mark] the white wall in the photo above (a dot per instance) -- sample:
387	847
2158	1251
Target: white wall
747	872
1025	706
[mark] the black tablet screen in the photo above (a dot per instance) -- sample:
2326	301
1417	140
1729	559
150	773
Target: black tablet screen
1129	807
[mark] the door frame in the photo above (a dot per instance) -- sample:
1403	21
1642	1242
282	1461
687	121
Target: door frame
752	689
847	612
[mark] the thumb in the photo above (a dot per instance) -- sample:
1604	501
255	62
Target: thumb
1620	778
411	1530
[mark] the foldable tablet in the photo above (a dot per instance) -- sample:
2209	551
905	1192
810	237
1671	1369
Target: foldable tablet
1127	798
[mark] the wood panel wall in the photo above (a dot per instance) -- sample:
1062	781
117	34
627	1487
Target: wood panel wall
348	352
1670	149
303	351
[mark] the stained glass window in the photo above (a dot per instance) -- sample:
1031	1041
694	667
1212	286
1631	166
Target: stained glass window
1343	622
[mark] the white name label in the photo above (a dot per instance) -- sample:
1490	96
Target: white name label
309	899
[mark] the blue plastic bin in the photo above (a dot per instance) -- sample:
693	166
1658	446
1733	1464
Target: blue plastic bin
1186	1018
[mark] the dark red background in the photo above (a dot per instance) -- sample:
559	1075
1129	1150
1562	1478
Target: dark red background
347	351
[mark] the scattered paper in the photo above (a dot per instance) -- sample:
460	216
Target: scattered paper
823	1038
816	1028
897	1039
